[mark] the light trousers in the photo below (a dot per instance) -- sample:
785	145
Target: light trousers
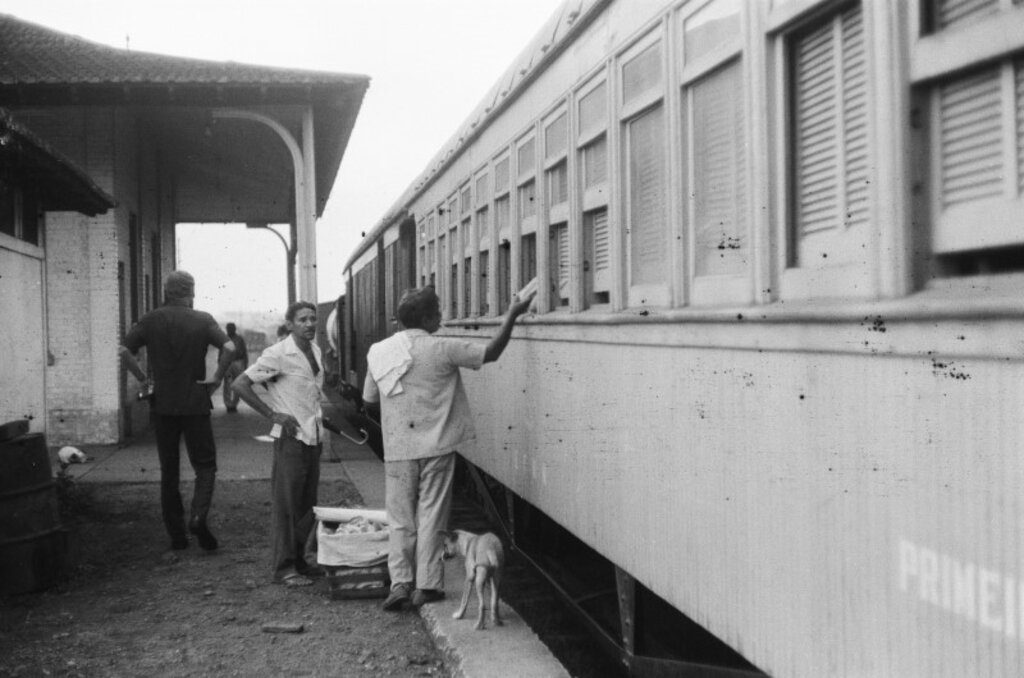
418	499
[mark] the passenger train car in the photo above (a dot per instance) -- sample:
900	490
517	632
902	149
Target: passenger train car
774	382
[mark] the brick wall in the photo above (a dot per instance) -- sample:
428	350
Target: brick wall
90	397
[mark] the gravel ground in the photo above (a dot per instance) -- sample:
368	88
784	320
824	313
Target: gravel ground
131	607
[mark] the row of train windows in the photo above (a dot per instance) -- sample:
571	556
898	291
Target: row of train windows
967	150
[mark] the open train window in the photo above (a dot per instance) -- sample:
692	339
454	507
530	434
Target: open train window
467	287
439	275
592	162
969	80
482	285
453	297
504	275
596	257
528	257
558	266
483	229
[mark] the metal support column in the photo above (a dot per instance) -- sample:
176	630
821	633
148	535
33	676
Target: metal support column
305	190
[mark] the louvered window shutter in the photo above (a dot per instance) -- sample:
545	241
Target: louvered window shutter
719	174
953	12
855	120
832	160
560	244
647	187
970	138
978	143
1018	81
597	223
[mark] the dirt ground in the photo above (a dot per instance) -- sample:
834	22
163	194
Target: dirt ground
132	607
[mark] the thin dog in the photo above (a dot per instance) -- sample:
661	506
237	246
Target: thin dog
485	562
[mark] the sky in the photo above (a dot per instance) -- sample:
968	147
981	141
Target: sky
430	64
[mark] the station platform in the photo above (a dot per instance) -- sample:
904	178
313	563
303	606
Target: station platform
244	453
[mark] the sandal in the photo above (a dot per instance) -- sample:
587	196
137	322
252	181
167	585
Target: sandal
295	580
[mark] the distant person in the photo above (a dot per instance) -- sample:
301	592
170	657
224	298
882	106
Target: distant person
292	371
425	418
238	364
331	360
177	338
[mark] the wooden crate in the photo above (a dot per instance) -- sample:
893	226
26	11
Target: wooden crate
346	583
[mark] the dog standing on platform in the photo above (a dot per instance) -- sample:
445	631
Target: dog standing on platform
485	562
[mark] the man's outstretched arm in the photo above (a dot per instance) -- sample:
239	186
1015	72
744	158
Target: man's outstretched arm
500	340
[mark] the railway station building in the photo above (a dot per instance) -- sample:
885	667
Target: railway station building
151	141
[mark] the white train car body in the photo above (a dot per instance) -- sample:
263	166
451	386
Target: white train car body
776	375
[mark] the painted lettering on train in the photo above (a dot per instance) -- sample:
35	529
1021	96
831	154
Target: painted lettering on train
988	597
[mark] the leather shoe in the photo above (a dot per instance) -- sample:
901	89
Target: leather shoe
203	534
397	599
424	596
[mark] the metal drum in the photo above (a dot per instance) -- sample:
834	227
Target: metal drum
33	544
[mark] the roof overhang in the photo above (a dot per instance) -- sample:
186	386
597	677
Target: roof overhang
234	170
224	170
60	186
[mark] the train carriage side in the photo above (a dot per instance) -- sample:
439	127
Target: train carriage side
381	269
775	373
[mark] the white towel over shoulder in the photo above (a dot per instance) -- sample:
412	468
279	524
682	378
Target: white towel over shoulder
389	361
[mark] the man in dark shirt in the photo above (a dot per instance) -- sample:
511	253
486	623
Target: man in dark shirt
177	338
238	364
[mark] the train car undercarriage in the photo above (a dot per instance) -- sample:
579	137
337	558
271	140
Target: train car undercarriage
632	625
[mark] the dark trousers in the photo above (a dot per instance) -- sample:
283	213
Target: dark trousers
294	477
202	454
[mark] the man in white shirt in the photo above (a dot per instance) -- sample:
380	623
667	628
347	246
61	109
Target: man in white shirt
425	418
292	370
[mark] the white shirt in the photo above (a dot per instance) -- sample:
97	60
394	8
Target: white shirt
296	390
430	416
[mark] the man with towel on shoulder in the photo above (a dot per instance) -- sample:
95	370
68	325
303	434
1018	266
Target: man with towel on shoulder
415	377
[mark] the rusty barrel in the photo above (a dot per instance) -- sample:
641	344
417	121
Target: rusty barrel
33	543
